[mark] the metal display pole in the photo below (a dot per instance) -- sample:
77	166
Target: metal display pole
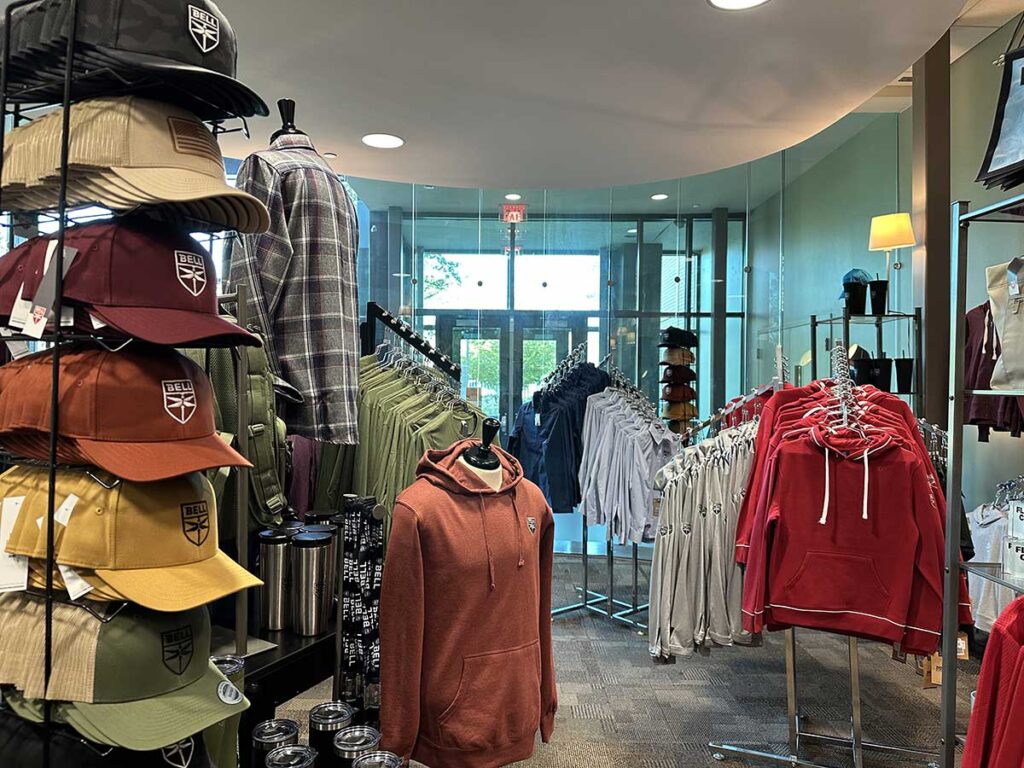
242	489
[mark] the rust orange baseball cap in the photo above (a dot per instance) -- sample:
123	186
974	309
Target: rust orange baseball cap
144	413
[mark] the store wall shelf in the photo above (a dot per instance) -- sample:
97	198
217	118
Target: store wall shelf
994	572
995	392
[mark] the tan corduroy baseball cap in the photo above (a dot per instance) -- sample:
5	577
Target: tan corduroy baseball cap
125	152
75	635
154	543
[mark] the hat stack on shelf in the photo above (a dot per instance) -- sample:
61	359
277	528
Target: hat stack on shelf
135	556
678	377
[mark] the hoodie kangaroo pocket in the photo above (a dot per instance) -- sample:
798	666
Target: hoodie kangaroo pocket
835	581
498	701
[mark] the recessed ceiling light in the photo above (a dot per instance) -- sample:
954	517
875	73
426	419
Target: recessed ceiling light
659	196
513	196
331	155
383	140
631	231
696	205
736	5
429	186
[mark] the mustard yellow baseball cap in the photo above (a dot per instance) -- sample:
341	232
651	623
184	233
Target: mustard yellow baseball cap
154	543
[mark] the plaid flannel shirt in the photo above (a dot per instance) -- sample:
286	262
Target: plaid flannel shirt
301	276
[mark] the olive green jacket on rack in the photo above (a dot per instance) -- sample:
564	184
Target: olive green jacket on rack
399	421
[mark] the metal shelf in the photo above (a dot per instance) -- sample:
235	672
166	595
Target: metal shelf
993	572
1006	211
867	319
995	392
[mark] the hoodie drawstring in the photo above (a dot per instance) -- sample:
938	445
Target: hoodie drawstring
865	514
519	530
824	506
487	544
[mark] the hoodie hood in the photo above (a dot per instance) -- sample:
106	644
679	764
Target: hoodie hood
443	469
849	445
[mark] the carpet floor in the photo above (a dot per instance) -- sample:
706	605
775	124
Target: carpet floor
618	708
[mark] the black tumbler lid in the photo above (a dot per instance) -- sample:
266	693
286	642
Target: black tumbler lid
310	540
327	528
330	716
294	756
272	536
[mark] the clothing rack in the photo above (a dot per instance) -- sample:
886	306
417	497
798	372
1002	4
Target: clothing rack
378	315
845	396
1007	211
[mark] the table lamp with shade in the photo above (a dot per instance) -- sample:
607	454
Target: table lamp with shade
889	232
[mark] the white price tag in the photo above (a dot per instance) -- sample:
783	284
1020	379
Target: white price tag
1017	519
96	322
63	513
46	296
20	310
73	582
13	568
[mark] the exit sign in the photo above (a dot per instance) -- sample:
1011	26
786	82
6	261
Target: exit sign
513	213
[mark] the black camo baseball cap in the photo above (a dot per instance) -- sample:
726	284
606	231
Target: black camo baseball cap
180	51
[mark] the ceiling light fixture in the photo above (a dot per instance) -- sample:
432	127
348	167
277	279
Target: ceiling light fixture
429	186
735	5
631	231
331	155
659	197
383	140
513	196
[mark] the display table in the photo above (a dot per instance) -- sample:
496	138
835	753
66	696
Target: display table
279	675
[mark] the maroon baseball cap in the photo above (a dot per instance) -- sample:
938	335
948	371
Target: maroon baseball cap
678	393
144	278
678	374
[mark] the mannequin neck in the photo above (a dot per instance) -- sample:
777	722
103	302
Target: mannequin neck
492	477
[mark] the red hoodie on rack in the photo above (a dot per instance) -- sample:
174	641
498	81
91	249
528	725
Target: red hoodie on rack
467	675
850	540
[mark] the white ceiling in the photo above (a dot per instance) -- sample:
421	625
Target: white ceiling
574	93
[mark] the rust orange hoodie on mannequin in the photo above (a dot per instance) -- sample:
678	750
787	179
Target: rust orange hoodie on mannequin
467	675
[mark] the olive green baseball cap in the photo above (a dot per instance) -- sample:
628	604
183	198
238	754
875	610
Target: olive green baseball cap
154	681
150	676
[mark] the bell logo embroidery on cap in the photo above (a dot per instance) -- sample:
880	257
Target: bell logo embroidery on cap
195	522
178	647
204	28
531	523
179	399
180	755
191	271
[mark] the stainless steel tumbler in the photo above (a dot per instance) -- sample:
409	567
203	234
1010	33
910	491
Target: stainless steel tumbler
271	734
311	591
332	566
273	596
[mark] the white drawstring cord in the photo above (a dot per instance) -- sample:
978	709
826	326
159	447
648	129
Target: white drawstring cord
865	515
824	506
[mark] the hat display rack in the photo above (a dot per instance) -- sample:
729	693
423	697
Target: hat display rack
19	88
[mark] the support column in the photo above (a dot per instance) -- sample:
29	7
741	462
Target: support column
931	194
720	261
